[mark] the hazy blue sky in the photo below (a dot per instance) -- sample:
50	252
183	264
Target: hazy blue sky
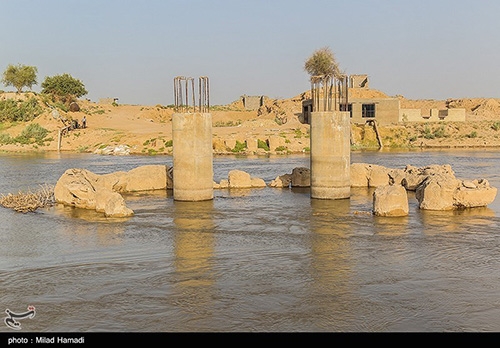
133	49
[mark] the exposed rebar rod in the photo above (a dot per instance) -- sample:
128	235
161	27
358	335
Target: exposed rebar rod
329	93
183	86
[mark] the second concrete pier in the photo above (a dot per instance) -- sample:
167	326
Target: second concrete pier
192	156
330	155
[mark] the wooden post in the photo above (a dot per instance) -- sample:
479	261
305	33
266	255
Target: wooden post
59	136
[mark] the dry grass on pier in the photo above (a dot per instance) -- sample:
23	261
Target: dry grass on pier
29	201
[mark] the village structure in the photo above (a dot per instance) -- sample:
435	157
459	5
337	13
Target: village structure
253	102
386	110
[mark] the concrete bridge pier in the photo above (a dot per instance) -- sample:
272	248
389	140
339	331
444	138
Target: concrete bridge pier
330	155
192	156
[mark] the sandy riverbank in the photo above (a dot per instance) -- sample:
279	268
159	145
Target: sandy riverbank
148	129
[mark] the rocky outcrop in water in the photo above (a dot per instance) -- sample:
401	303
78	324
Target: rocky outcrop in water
83	189
300	177
413	177
436	186
372	175
390	200
281	181
447	193
238	179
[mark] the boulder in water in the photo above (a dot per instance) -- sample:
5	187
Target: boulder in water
390	200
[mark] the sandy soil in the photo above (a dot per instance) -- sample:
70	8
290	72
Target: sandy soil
148	129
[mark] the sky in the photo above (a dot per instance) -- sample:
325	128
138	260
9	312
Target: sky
132	50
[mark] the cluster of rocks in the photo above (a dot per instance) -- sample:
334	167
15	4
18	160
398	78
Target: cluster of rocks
300	177
238	179
83	189
435	186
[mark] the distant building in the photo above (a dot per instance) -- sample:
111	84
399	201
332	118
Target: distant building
385	110
253	102
108	101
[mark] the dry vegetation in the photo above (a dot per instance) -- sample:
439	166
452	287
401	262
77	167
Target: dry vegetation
29	201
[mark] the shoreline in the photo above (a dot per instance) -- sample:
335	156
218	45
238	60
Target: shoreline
264	154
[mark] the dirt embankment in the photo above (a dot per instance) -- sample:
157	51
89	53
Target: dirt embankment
274	128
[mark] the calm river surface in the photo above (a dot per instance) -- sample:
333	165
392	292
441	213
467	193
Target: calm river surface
253	260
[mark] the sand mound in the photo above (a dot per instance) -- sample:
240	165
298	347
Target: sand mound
488	109
478	108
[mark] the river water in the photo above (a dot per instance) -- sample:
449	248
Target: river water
251	260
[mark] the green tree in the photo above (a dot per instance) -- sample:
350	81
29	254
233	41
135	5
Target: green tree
63	85
20	76
322	62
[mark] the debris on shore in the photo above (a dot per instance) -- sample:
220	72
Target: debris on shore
29	201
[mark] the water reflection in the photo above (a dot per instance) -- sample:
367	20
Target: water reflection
391	226
87	223
239	192
463	220
331	259
194	244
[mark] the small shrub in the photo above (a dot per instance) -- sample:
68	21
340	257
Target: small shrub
280	119
440	132
472	135
169	143
61	106
262	145
307	149
496	126
227	124
281	148
427	134
239	147
33	133
5	139
19	111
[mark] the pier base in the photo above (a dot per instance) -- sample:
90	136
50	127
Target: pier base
330	155
192	156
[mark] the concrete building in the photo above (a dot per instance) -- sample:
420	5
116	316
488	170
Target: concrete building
253	102
415	115
384	110
361	110
358	81
388	111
